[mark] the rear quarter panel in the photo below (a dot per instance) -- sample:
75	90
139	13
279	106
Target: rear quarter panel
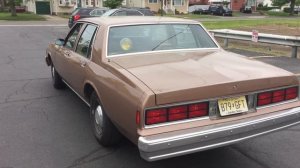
120	93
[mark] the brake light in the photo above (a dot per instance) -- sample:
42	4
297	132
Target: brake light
198	110
156	116
276	96
176	113
291	93
76	17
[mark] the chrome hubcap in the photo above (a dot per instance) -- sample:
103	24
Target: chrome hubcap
99	119
52	71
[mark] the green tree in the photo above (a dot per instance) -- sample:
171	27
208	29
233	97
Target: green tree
12	4
292	6
279	2
282	2
112	3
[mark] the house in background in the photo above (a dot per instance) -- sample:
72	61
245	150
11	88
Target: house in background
169	6
234	5
56	7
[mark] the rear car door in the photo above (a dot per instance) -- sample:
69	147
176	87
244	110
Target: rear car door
81	57
63	53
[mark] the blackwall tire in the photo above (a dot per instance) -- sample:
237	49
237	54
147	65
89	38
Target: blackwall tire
56	79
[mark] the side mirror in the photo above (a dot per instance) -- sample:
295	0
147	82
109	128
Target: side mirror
59	42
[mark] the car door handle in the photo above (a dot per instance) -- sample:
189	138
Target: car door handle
83	63
67	53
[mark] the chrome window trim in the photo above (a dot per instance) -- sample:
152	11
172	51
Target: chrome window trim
92	42
179	22
97	29
214	99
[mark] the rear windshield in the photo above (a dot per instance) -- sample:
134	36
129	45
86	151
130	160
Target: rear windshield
143	38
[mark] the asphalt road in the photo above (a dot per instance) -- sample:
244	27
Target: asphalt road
41	127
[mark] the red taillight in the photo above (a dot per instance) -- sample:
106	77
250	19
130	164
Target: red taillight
264	98
270	97
156	116
291	93
76	17
278	96
176	113
198	110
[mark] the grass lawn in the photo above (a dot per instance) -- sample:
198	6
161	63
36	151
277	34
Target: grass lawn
192	16
271	13
64	16
236	24
21	17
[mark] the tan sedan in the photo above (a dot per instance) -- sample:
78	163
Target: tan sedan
167	86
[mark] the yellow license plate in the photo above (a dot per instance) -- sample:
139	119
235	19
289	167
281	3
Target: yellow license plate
234	105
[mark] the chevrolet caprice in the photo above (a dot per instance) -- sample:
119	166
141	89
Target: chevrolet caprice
167	86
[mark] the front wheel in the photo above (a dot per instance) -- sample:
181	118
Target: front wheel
104	130
56	79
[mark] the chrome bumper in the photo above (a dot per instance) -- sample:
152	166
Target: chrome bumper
176	143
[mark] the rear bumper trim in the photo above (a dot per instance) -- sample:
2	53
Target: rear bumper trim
171	144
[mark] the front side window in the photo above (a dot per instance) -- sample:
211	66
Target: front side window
71	38
144	38
84	42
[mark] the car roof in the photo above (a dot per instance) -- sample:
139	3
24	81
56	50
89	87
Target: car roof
121	20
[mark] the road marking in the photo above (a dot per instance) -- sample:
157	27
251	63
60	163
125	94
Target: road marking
263	57
49	25
297	74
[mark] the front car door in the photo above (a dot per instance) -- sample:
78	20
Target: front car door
64	52
81	57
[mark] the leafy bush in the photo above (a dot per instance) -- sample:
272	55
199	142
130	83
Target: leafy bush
159	11
271	13
112	3
265	8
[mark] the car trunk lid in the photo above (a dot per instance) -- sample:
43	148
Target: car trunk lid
189	76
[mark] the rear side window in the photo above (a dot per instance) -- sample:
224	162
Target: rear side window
128	13
133	13
84	42
84	11
146	12
97	12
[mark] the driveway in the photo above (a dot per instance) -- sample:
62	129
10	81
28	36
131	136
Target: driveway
43	127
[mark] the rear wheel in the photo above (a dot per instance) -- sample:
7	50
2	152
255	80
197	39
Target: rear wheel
56	79
104	130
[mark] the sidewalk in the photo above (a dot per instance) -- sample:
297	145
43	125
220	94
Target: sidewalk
51	21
